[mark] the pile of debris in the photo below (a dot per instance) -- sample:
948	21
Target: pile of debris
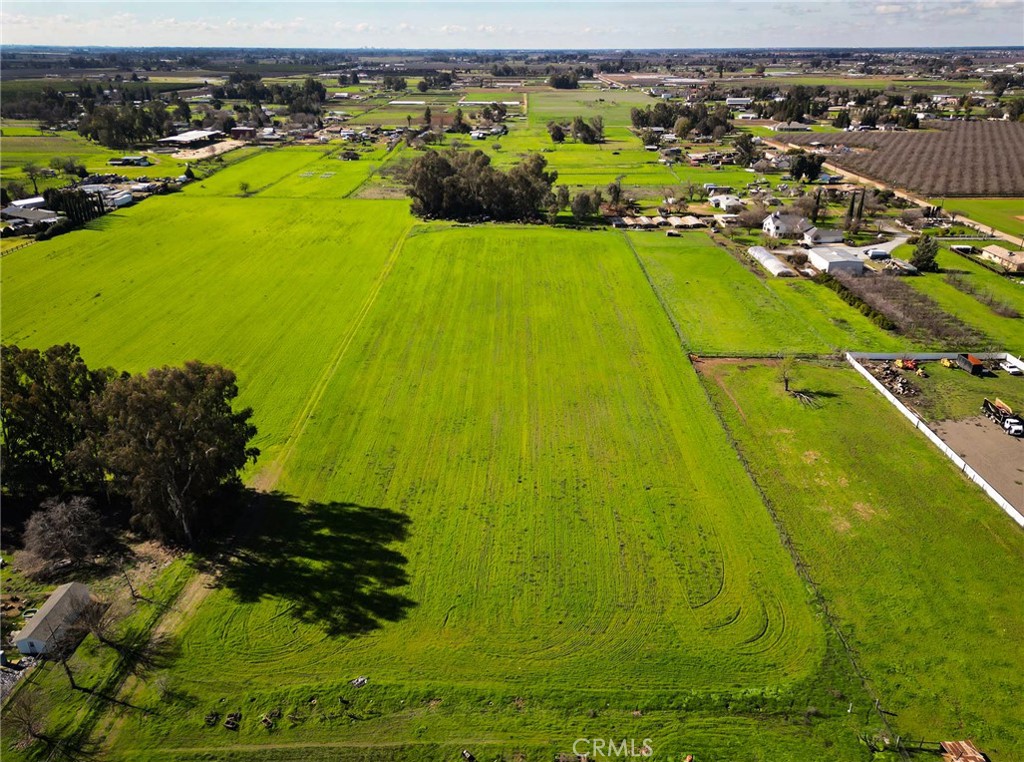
893	380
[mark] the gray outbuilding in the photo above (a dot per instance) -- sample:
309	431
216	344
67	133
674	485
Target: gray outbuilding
59	612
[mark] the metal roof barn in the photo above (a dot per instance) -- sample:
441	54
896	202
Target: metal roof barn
59	612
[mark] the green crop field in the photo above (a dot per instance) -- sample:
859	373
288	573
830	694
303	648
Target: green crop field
492	481
1005	214
1005	333
881	517
723	308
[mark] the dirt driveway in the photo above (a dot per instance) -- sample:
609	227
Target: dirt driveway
999	458
209	151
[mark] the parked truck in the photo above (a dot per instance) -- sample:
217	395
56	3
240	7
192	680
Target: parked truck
971	364
1002	414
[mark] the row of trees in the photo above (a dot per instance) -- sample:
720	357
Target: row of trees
462	185
168	440
305	97
121	126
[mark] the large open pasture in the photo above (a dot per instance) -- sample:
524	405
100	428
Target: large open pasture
881	518
492	481
501	423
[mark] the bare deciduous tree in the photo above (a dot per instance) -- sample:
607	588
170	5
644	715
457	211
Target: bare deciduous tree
787	369
25	715
70	529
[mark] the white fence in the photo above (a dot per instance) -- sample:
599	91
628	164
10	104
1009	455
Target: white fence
920	425
1002	356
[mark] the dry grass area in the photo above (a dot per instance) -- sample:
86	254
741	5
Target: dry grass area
960	159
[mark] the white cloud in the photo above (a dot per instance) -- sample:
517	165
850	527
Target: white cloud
889	9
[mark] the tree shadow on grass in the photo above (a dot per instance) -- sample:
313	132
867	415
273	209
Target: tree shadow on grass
333	562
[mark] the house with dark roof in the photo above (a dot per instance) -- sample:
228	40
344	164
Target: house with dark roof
779	225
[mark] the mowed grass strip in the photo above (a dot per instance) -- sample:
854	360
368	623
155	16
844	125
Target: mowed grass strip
721	307
519	451
921	568
266	287
519	396
1005	214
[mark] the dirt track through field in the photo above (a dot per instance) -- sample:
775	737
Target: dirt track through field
999	458
266	479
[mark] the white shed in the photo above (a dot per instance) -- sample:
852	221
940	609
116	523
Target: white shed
832	260
59	612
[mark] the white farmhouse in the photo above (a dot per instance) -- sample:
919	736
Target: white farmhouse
779	225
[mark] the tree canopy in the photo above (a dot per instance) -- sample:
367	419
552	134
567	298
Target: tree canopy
668	115
462	185
44	415
170	439
925	253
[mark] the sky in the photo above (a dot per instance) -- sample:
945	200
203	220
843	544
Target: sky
504	24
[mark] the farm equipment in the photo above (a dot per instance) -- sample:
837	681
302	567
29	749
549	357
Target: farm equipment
945	362
905	363
971	364
1003	415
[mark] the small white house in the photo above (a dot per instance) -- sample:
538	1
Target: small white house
726	202
59	612
818	236
779	225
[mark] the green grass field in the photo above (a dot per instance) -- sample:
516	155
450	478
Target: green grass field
1005	333
1005	214
492	482
23	144
951	394
882	518
724	309
565	559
